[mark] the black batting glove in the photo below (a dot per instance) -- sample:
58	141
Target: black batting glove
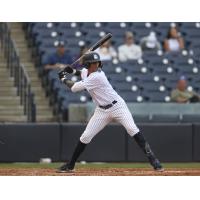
69	69
62	75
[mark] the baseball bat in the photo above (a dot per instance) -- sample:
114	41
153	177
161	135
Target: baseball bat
94	47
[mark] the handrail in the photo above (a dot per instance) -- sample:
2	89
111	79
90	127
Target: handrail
18	72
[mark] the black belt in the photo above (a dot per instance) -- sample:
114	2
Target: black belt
108	106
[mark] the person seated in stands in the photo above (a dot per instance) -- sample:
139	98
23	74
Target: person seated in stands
58	59
182	95
174	42
150	42
106	51
129	50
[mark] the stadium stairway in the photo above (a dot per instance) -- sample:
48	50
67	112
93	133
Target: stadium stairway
44	111
10	108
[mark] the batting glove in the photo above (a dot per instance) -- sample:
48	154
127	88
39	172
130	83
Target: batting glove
62	75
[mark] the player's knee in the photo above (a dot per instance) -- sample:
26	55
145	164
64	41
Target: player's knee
85	138
132	130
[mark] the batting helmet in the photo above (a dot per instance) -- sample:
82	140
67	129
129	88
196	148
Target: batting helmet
91	57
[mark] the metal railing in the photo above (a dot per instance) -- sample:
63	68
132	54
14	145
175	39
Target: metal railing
17	71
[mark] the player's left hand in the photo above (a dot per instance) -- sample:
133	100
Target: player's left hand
62	75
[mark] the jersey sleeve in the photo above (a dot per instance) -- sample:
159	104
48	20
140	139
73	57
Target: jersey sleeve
91	82
88	83
78	86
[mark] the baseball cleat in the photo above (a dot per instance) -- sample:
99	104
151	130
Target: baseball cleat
155	163
65	169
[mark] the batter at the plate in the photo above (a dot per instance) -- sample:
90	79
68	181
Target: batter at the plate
109	106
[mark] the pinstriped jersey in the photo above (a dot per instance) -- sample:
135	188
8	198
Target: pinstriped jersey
98	87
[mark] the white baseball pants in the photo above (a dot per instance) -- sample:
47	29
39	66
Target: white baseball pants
119	112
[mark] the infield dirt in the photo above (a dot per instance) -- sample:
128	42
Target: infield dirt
99	172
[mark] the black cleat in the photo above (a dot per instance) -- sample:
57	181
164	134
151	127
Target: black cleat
155	164
65	169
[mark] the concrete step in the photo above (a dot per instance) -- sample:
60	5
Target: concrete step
29	64
31	70
8	112
2	89
9	98
25	59
44	118
24	52
9	103
35	78
44	112
19	40
15	24
7	79
11	92
12	107
35	83
3	75
6	84
3	64
3	69
21	44
13	118
18	35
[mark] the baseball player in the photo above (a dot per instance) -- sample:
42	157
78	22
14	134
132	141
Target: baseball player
109	106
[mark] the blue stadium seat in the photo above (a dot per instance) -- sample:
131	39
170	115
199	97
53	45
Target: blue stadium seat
143	78
117	77
122	86
155	96
129	96
69	25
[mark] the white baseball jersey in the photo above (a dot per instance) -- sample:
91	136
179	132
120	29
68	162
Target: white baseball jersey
103	94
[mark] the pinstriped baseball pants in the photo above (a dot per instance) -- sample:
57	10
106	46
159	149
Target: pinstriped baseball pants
119	112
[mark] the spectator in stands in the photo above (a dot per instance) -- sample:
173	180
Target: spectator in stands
59	58
106	51
174	42
182	95
150	42
129	50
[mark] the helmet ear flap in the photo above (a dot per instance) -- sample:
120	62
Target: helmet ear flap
87	65
100	64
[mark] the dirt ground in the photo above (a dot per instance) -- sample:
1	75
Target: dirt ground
99	172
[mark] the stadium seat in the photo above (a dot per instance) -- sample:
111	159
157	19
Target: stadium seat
155	96
130	96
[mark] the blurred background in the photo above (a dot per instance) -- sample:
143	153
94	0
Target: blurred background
154	66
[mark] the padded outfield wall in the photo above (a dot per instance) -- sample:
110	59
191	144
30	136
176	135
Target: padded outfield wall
30	142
